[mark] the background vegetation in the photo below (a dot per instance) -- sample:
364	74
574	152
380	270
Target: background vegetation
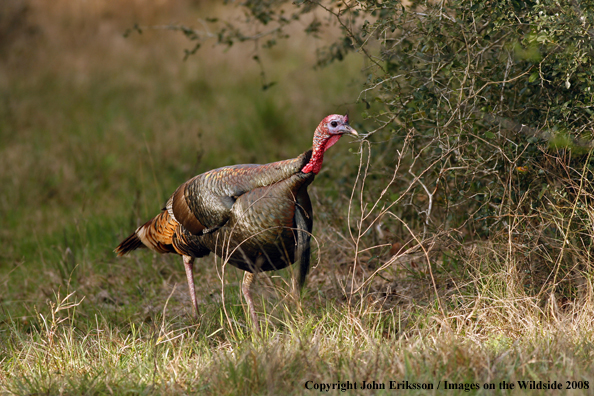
453	242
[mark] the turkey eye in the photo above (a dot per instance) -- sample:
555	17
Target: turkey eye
334	124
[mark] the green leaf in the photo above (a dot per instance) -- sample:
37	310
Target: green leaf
533	77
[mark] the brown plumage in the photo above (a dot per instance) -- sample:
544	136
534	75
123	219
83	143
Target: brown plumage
257	217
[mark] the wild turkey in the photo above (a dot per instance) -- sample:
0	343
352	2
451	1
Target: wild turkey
258	217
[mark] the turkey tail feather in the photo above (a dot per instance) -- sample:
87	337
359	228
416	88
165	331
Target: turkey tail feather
129	244
156	234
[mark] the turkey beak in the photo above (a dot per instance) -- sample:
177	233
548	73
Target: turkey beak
348	130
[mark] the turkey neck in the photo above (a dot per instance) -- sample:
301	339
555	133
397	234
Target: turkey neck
322	141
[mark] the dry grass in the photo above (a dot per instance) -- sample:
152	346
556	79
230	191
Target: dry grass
96	130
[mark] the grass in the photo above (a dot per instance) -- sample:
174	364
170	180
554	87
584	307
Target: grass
96	131
328	343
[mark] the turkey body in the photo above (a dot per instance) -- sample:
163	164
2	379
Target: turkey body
266	225
247	214
255	217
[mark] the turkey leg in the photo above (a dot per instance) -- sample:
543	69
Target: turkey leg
246	287
189	265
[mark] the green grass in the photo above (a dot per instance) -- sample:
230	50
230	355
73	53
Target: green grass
94	139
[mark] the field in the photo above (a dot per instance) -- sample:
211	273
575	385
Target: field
98	129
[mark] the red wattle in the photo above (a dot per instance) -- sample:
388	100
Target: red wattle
332	141
315	163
